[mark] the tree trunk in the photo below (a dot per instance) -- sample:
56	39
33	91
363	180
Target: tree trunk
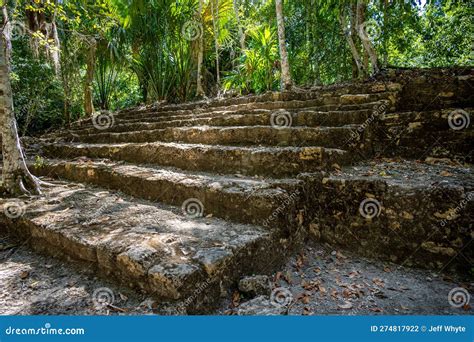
16	178
38	22
199	88
356	72
349	38
56	50
366	43
286	82
215	24
33	26
89	79
385	33
239	26
67	94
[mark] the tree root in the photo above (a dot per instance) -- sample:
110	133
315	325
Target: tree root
22	183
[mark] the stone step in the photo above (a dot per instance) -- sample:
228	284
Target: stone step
339	100
151	247
242	135
443	133
335	91
240	199
269	101
153	117
368	102
275	162
157	117
408	212
305	94
308	118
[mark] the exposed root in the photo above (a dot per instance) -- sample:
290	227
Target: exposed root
45	184
23	183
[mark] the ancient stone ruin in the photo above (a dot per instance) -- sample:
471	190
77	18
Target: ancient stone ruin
165	197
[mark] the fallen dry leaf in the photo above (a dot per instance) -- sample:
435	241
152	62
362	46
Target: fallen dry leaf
446	173
353	274
236	299
322	290
379	282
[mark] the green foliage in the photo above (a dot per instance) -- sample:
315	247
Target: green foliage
37	92
143	54
39	162
257	70
435	35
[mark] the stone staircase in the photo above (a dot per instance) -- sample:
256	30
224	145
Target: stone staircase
183	200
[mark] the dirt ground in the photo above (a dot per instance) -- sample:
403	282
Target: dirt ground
322	281
319	281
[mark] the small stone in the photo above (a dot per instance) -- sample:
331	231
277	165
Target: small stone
255	285
345	306
260	306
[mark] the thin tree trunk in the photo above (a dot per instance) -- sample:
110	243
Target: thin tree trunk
286	82
385	33
239	26
199	88
37	22
16	178
89	78
33	26
215	24
67	94
350	42
366	43
56	51
356	72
